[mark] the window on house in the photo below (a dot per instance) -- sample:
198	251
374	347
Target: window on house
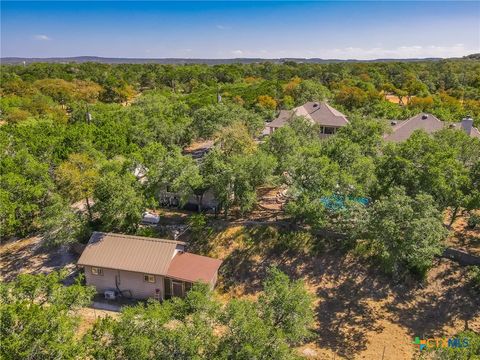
178	289
97	271
149	278
329	130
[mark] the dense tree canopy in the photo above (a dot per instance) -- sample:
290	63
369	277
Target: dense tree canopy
38	321
91	146
37	315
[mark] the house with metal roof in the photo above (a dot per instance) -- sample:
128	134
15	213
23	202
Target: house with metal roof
402	130
142	267
328	118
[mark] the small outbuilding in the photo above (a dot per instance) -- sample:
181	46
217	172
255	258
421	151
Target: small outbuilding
142	267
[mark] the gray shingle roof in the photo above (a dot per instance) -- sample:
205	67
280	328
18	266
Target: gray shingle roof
403	130
427	122
317	112
323	114
474	132
283	117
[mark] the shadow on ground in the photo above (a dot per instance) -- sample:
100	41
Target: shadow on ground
354	300
446	299
27	256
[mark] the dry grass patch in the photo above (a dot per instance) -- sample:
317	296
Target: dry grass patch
359	311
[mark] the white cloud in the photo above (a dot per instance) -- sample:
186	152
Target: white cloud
361	53
42	37
222	27
400	52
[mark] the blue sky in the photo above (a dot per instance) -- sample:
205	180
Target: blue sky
341	29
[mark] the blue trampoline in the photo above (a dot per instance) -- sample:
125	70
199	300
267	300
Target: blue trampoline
337	202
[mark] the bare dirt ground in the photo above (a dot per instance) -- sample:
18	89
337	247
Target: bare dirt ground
396	99
360	313
464	238
88	317
27	256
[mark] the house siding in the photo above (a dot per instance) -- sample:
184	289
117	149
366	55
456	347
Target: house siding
129	281
214	281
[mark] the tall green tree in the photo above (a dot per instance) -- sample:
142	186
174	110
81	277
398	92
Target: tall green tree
119	202
38	317
287	306
405	233
77	177
25	189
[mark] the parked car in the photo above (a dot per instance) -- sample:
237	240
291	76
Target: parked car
150	219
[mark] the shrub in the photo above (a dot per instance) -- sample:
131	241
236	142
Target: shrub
201	233
300	242
473	221
474	276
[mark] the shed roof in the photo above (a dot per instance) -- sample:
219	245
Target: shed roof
129	253
192	267
148	256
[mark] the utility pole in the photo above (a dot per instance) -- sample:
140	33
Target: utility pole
88	116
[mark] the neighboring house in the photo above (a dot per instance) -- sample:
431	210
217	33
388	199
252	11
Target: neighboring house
142	267
320	113
203	200
402	130
206	200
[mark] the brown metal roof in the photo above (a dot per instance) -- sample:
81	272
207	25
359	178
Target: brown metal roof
129	253
192	268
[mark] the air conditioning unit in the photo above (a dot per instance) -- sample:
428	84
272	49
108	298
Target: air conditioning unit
109	295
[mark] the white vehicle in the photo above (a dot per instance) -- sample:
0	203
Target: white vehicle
151	219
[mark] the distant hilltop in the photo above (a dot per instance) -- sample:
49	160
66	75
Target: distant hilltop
165	61
473	56
107	60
